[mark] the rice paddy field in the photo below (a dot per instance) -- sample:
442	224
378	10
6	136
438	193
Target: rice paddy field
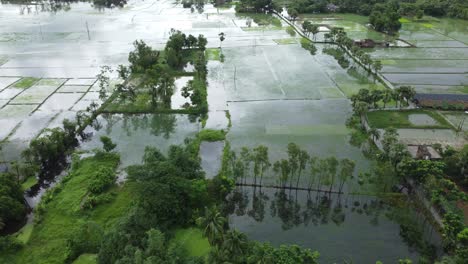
437	64
266	90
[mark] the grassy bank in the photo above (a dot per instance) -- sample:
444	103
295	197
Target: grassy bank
61	212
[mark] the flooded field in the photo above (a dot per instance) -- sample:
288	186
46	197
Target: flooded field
437	63
266	90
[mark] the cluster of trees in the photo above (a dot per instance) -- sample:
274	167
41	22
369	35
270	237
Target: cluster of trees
153	72
288	172
110	3
310	28
199	5
369	99
171	192
417	8
385	18
257	6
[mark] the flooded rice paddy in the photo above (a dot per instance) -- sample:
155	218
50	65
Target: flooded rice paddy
268	88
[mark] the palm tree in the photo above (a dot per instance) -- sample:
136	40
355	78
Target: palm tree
235	242
332	163
346	171
217	255
213	225
361	109
261	161
386	97
314	170
303	159
262	254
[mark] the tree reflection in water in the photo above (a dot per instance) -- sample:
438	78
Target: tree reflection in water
302	207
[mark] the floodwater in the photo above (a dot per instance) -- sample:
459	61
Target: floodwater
274	94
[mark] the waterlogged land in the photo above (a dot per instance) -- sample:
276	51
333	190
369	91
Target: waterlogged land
263	88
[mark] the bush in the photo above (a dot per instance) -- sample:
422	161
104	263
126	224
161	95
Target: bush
290	30
212	135
9	244
103	179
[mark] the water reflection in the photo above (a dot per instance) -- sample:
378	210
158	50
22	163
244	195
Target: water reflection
368	227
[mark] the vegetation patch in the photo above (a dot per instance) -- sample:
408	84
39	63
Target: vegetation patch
30	182
26	82
285	41
211	135
213	54
400	119
86	259
61	215
193	241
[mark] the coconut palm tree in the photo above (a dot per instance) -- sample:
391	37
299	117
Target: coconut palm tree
213	224
303	158
361	109
346	171
235	243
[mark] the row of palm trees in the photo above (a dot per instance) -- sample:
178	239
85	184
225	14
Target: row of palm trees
316	172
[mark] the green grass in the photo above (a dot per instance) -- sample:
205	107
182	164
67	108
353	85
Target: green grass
404	20
213	54
193	241
286	41
26	82
29	183
86	259
211	135
400	119
63	213
25	233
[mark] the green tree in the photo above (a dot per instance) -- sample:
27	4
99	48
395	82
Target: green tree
235	243
107	143
261	162
346	171
12	207
213	224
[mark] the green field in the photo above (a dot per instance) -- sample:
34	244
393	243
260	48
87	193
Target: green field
401	119
193	241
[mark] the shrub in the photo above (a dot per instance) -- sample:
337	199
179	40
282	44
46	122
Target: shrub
103	179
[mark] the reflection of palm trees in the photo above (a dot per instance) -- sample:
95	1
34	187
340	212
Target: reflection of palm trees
287	209
258	206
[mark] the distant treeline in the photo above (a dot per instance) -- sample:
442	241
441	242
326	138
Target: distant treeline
450	8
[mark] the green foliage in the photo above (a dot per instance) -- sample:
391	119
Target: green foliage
192	240
143	57
420	170
102	179
51	146
308	45
211	135
12	207
9	244
171	189
87	239
107	143
290	30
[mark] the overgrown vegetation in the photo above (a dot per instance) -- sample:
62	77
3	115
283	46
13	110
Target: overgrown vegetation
400	119
149	81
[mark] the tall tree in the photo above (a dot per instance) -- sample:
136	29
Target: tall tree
213	224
